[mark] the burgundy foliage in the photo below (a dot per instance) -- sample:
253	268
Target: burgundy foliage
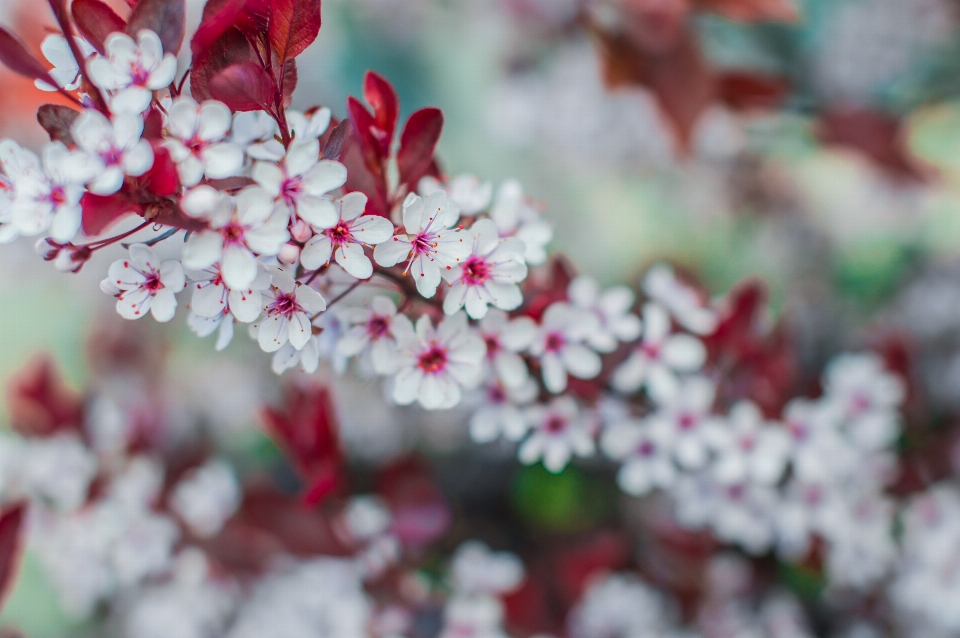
56	120
95	21
165	17
39	402
11	546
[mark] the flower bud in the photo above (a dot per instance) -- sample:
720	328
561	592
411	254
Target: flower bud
301	231
289	254
47	248
72	259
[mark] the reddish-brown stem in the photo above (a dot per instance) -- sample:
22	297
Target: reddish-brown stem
346	292
97	245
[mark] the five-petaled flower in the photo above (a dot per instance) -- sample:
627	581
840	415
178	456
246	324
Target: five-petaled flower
489	275
371	332
429	245
132	71
112	149
645	453
435	362
197	141
289	307
65	71
559	431
560	346
144	283
344	241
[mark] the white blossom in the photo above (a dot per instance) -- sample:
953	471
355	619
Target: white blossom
558	432
645	452
505	338
560	346
515	217
502	411
615	323
207	497
682	301
469	194
345	240
65	71
369	332
145	283
303	181
46	199
289	308
132	71
687	414
748	448
112	149
197	141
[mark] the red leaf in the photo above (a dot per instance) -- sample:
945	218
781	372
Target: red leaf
165	17
294	25
14	54
255	19
230	48
752	11
744	91
40	403
101	211
245	86
335	141
96	21
11	546
421	513
289	81
56	120
364	125
153	125
306	429
382	97
218	17
417	145
877	135
162	179
359	178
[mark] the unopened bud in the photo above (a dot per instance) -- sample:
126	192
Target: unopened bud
301	231
47	248
72	259
289	254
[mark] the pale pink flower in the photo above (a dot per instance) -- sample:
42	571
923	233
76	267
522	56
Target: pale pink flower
242	226
683	302
145	284
645	452
47	199
289	307
435	363
501	411
475	569
132	71
660	356
212	297
560	346
505	339
429	245
686	414
748	448
196	139
262	136
615	322
112	149
515	217
466	191
558	431
302	180
65	71
370	333
866	397
488	275
345	240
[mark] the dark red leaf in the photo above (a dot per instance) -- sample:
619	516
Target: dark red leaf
382	97
162	179
417	145
306	429
335	142
218	16
11	546
359	178
153	125
165	17
40	403
95	21
56	120
100	211
752	11
364	126
744	91
421	513
231	48
294	25
877	135
289	81
245	86
255	19
14	54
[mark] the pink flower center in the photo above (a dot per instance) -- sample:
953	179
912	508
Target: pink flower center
747	443
290	189
798	430
859	403
433	360
686	421
377	327
496	394
812	495
650	350
112	156
285	304
555	424
152	281
554	342
196	145
493	345
233	234
423	244
735	492
58	196
645	449
476	270
339	234
138	74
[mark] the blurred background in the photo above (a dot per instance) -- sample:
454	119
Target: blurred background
811	144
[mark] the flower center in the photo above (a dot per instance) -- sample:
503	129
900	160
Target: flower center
113	156
493	345
496	394
476	270
58	196
747	443
196	145
138	74
797	430
423	244
686	421
650	350
433	360
555	424
735	492
645	449
859	403
554	342
232	234
285	304
339	234
152	282
290	189
377	327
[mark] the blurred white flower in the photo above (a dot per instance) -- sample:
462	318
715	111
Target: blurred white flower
558	432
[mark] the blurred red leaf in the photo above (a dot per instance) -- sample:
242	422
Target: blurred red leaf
14	54
743	91
752	11
218	16
162	179
336	138
877	135
56	120
306	430
11	546
294	25
382	98
418	142
167	18
40	403
577	565
364	125
244	86
231	47
95	21
359	177
421	513
100	211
